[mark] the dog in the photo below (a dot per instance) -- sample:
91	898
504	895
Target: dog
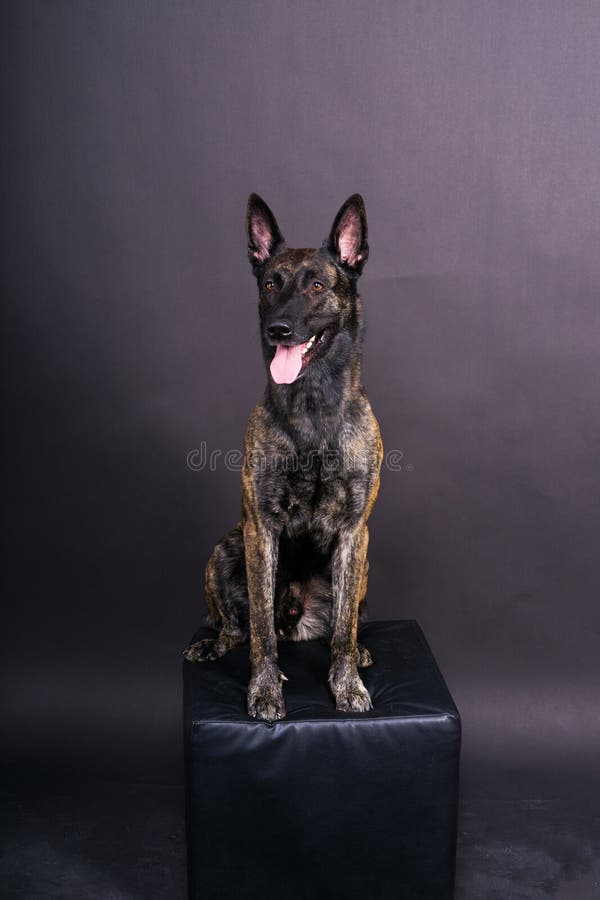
311	467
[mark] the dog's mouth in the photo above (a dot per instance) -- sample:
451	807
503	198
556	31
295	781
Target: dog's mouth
290	362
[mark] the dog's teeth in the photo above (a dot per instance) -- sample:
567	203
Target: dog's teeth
309	344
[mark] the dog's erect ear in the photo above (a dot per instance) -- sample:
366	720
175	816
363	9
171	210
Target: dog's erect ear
348	238
264	236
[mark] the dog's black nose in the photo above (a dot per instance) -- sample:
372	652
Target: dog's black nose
280	330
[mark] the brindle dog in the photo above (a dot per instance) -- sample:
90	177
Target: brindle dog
312	458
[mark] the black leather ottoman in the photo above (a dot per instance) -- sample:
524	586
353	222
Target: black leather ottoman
322	804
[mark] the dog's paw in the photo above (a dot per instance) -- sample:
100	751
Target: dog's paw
350	693
363	658
202	651
354	697
265	698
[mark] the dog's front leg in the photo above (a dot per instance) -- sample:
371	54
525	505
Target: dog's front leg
265	696
348	566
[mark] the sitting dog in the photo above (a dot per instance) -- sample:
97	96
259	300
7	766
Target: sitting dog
310	475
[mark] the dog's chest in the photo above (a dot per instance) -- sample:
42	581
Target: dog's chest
317	498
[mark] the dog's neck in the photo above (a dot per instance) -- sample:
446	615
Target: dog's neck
313	408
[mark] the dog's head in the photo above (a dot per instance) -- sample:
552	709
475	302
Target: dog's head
307	298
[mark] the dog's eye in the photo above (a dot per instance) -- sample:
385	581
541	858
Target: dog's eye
269	285
317	286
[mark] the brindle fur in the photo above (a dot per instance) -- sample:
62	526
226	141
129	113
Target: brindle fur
310	476
303	613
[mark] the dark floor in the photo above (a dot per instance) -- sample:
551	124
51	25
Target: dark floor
126	842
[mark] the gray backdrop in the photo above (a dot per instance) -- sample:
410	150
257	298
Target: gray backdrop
132	135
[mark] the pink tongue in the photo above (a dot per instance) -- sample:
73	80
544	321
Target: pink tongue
286	364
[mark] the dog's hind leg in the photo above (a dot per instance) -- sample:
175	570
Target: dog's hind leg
226	597
364	658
